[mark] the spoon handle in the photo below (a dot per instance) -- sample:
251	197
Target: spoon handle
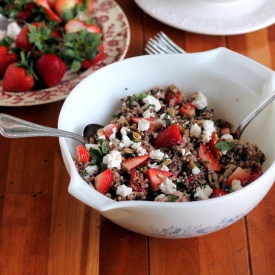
253	113
12	127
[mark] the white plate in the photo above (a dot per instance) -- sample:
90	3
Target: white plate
116	41
214	17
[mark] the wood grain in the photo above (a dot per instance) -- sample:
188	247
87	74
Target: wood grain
46	231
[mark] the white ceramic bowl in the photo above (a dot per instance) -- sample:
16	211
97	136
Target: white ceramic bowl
233	84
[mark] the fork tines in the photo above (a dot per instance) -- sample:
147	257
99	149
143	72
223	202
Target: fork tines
162	44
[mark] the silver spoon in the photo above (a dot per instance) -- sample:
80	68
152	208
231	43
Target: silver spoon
12	127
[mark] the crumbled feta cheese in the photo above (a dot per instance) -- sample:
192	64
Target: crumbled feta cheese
156	154
164	168
195	130
235	185
195	170
162	119
126	141
167	186
208	126
143	125
203	193
227	136
124	190
199	100
112	137
148	114
13	30
113	159
152	101
183	151
139	149
160	197
92	169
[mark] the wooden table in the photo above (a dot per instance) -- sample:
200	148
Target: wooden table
44	230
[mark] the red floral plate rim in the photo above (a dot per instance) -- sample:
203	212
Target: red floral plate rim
116	32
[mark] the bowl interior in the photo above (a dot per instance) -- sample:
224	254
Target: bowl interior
233	84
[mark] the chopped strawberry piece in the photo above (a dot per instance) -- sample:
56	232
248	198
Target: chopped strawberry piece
136	180
156	177
154	124
239	174
104	181
83	153
218	192
173	98
168	137
133	162
188	109
208	160
108	129
225	131
211	145
255	173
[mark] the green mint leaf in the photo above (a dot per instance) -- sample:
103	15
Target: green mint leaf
224	145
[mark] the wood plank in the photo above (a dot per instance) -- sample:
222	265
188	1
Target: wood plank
225	251
261	226
174	256
122	251
25	234
74	247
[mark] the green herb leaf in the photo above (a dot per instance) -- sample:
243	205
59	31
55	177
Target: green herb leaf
141	96
96	155
103	146
225	145
172	198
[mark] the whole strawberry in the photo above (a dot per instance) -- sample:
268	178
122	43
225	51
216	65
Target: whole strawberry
6	58
50	69
17	79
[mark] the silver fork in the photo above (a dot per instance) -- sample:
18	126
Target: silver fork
162	44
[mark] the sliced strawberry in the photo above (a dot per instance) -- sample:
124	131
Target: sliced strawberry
168	137
44	4
154	124
211	145
83	153
156	177
136	180
239	174
225	131
75	25
108	129
208	160
104	181
133	162
173	98
255	173
218	192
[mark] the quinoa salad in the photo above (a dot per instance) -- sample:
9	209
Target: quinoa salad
164	145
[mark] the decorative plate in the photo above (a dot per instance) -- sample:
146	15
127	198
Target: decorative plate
213	17
116	41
